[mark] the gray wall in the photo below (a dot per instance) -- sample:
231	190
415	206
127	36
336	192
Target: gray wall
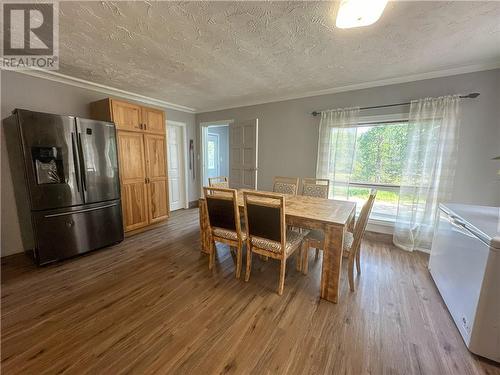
22	91
223	133
287	131
288	134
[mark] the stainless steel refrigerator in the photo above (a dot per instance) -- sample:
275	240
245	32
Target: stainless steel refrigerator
69	168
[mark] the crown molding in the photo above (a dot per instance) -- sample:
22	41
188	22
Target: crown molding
365	85
78	82
82	83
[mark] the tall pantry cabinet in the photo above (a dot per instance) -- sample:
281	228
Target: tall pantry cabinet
142	159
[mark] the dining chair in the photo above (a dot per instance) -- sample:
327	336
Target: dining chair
218	182
352	241
224	222
266	232
315	187
286	185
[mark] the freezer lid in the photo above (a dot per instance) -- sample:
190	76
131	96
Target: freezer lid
99	160
483	221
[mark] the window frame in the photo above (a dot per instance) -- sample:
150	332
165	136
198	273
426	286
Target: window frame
374	120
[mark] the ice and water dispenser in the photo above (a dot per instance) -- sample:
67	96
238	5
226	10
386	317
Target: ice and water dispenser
48	163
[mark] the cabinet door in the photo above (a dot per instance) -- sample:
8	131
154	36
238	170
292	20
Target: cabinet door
133	180
158	200
156	167
153	120
126	116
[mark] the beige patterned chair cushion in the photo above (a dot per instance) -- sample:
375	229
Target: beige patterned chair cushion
284	188
313	190
223	184
227	234
319	235
293	239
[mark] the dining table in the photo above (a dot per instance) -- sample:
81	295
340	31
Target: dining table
333	217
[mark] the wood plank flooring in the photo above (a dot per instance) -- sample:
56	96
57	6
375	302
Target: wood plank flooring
150	305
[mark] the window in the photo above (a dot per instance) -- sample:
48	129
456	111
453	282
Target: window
211	154
380	150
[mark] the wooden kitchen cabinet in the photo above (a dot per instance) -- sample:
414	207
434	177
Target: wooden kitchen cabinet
141	139
127	115
133	180
157	176
153	120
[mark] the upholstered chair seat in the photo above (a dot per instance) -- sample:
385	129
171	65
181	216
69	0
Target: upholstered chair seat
293	240
227	234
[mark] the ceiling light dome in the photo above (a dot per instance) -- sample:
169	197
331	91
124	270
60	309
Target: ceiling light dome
356	13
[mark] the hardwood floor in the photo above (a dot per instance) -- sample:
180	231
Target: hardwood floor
150	305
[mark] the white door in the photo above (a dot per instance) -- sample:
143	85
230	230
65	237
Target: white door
176	167
243	145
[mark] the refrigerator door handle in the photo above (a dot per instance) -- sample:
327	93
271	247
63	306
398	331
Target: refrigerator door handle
80	211
83	169
75	161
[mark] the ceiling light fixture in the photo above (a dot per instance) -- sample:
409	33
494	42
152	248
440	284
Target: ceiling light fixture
356	13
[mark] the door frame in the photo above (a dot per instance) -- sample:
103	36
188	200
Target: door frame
203	140
185	160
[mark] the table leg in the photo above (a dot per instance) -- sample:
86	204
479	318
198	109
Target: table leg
352	223
205	236
332	262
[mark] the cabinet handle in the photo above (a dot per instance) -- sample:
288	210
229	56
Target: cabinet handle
140	126
145	127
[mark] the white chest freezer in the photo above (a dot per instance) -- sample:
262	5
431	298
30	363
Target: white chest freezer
465	265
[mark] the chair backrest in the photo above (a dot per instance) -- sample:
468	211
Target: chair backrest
222	209
265	216
359	228
315	187
219	182
286	185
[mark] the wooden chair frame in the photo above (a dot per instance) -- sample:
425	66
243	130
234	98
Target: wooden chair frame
218	182
316	181
226	194
269	200
287	180
353	254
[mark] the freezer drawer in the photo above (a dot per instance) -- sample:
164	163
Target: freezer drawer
65	233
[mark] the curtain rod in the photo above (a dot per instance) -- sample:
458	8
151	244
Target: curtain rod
468	96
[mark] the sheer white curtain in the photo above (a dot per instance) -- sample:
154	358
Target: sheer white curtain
336	147
429	169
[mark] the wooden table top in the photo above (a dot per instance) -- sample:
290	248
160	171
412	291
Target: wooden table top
328	211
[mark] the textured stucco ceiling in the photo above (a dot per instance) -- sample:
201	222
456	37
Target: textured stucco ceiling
221	54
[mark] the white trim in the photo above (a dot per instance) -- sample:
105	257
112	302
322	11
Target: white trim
365	85
78	82
217	123
383	118
108	90
185	147
380	226
201	157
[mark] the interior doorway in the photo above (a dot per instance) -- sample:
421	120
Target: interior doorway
230	148
215	150
177	165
